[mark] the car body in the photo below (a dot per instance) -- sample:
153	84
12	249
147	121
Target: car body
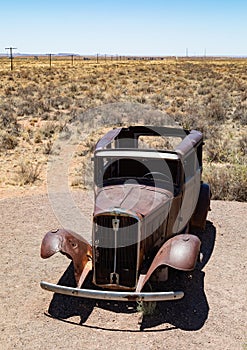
148	201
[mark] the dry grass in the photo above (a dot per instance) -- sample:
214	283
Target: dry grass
37	102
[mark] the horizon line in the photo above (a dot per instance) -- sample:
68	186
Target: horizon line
99	55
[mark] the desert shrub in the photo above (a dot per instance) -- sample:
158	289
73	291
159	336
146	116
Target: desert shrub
45	116
28	90
9	90
221	151
27	107
48	129
243	145
73	88
7	141
228	182
8	122
147	308
157	99
240	114
62	102
28	172
141	99
204	90
47	147
89	145
216	111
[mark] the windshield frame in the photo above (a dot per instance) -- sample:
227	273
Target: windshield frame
104	158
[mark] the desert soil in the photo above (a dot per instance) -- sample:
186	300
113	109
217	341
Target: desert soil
212	315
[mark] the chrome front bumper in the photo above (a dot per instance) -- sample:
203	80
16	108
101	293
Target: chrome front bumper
110	295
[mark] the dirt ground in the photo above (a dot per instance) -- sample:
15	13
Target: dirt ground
212	315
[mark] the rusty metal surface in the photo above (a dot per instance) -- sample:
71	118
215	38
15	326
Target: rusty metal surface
135	199
69	243
179	252
156	210
107	138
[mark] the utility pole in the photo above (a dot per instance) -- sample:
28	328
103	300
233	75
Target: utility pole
72	59
50	59
11	55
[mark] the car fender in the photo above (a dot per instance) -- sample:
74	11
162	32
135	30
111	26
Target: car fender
179	252
72	245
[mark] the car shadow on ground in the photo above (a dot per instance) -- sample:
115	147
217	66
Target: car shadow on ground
189	313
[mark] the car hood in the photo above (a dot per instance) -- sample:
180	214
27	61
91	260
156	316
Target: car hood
133	199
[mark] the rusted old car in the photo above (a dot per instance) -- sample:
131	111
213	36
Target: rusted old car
148	202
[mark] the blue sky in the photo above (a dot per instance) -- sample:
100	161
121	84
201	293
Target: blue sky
125	27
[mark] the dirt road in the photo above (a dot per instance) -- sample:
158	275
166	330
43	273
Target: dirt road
212	315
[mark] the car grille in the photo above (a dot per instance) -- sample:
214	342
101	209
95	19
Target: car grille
121	247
